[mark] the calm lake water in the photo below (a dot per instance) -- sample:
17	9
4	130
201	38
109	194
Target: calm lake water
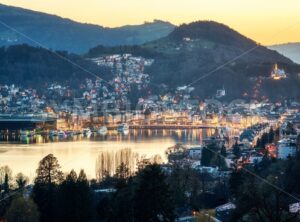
85	153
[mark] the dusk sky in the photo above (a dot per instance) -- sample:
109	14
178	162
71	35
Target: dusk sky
267	21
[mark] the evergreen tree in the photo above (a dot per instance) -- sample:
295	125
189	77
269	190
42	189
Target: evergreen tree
49	171
271	135
210	155
235	181
66	198
236	150
5	179
258	143
223	151
256	200
22	210
298	141
152	199
21	180
122	206
6	184
266	161
183	180
44	191
122	172
290	130
74	199
277	135
85	198
264	140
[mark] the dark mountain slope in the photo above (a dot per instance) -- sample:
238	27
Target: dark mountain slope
36	67
193	51
64	34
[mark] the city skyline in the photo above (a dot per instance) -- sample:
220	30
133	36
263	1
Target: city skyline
268	22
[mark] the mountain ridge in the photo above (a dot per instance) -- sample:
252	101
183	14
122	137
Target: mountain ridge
193	50
290	50
182	55
60	33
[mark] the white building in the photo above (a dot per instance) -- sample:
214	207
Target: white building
286	148
220	93
195	153
277	73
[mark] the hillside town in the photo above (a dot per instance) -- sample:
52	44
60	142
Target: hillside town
149	111
242	135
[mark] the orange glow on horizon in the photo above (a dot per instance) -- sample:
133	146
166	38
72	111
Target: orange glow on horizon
267	22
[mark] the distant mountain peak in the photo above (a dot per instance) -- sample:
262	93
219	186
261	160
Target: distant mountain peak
232	60
290	50
64	34
158	21
212	31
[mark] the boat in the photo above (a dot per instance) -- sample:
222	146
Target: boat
87	132
76	133
26	133
123	128
126	132
61	134
102	130
70	133
53	133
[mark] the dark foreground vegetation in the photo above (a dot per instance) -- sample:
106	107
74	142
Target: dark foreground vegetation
263	191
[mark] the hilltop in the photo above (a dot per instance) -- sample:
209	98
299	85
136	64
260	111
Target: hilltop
193	50
59	33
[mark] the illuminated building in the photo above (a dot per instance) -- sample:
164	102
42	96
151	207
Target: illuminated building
277	73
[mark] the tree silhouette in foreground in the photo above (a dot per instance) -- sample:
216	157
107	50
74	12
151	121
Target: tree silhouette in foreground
22	210
21	180
44	191
74	198
49	171
152	199
256	200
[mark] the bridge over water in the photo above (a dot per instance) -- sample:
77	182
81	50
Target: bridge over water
170	126
26	121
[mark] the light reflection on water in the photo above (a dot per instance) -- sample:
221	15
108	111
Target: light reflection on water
81	153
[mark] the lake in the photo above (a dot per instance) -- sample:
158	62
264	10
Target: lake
80	152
